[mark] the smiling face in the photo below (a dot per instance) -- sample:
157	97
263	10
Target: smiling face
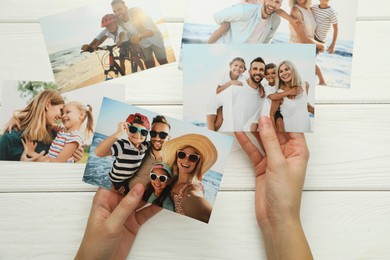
53	113
236	69
256	72
185	165
270	6
120	11
111	27
136	139
270	75
157	141
285	73
71	117
157	184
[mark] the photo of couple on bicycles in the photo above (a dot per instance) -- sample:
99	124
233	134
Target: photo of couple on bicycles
103	41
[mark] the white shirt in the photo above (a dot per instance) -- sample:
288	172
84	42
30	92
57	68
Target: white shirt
240	105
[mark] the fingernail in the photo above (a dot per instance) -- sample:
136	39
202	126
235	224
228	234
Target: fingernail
265	121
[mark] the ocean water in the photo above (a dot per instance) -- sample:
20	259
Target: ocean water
97	169
336	67
62	60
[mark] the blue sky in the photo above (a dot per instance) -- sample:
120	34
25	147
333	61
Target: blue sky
201	11
79	26
112	112
204	65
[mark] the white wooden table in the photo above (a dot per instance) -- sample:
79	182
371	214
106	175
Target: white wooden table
346	202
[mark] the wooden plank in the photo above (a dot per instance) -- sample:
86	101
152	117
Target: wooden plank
339	225
173	10
349	151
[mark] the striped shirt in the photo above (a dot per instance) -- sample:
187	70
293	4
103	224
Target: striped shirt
325	17
63	138
128	159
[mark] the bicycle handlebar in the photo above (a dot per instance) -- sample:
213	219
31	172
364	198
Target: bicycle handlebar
104	48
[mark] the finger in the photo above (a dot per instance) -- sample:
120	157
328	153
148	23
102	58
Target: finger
270	140
249	148
300	143
126	206
146	213
17	125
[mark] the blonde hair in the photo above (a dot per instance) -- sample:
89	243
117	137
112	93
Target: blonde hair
196	173
87	110
294	2
296	79
33	117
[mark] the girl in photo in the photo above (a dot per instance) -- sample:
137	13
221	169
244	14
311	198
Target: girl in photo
69	138
158	190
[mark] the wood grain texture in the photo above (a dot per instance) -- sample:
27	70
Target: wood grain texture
339	225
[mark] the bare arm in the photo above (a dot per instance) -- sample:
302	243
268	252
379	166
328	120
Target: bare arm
228	84
104	148
301	31
65	154
278	96
335	34
145	34
223	28
195	205
289	18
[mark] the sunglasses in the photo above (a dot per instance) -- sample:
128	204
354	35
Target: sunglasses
162	135
161	178
134	129
193	157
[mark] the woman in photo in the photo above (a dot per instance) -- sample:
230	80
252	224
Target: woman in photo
37	122
304	32
190	157
295	109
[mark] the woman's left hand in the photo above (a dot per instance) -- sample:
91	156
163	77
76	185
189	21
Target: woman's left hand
113	224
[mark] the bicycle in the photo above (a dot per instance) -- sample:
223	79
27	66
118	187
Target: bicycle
113	66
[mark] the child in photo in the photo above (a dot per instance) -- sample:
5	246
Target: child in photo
325	17
158	190
224	27
69	138
116	33
128	152
233	77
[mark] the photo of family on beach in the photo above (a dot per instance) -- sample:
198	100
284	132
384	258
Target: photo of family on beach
105	40
330	25
229	87
179	164
38	124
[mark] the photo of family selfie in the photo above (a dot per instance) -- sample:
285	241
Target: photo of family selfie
329	25
41	125
180	165
105	40
240	83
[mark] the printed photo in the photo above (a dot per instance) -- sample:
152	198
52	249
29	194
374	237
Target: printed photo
38	124
105	40
330	25
228	87
179	164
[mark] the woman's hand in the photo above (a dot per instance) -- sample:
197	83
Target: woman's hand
13	122
29	154
113	224
280	175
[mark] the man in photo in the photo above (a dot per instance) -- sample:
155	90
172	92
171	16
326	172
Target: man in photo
250	23
159	134
241	104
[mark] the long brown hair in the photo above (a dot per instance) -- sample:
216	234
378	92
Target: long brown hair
33	117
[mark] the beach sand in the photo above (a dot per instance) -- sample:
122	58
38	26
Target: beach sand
90	71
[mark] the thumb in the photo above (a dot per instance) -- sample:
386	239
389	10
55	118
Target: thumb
270	140
126	206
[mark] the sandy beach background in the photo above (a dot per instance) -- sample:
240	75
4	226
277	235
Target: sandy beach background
85	69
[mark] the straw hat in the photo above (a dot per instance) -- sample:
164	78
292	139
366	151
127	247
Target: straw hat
201	143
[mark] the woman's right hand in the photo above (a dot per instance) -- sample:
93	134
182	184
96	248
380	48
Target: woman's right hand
29	154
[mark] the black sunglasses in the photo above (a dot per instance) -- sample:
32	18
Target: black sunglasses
162	135
193	157
161	178
133	129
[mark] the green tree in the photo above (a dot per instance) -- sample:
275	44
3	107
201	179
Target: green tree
29	89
